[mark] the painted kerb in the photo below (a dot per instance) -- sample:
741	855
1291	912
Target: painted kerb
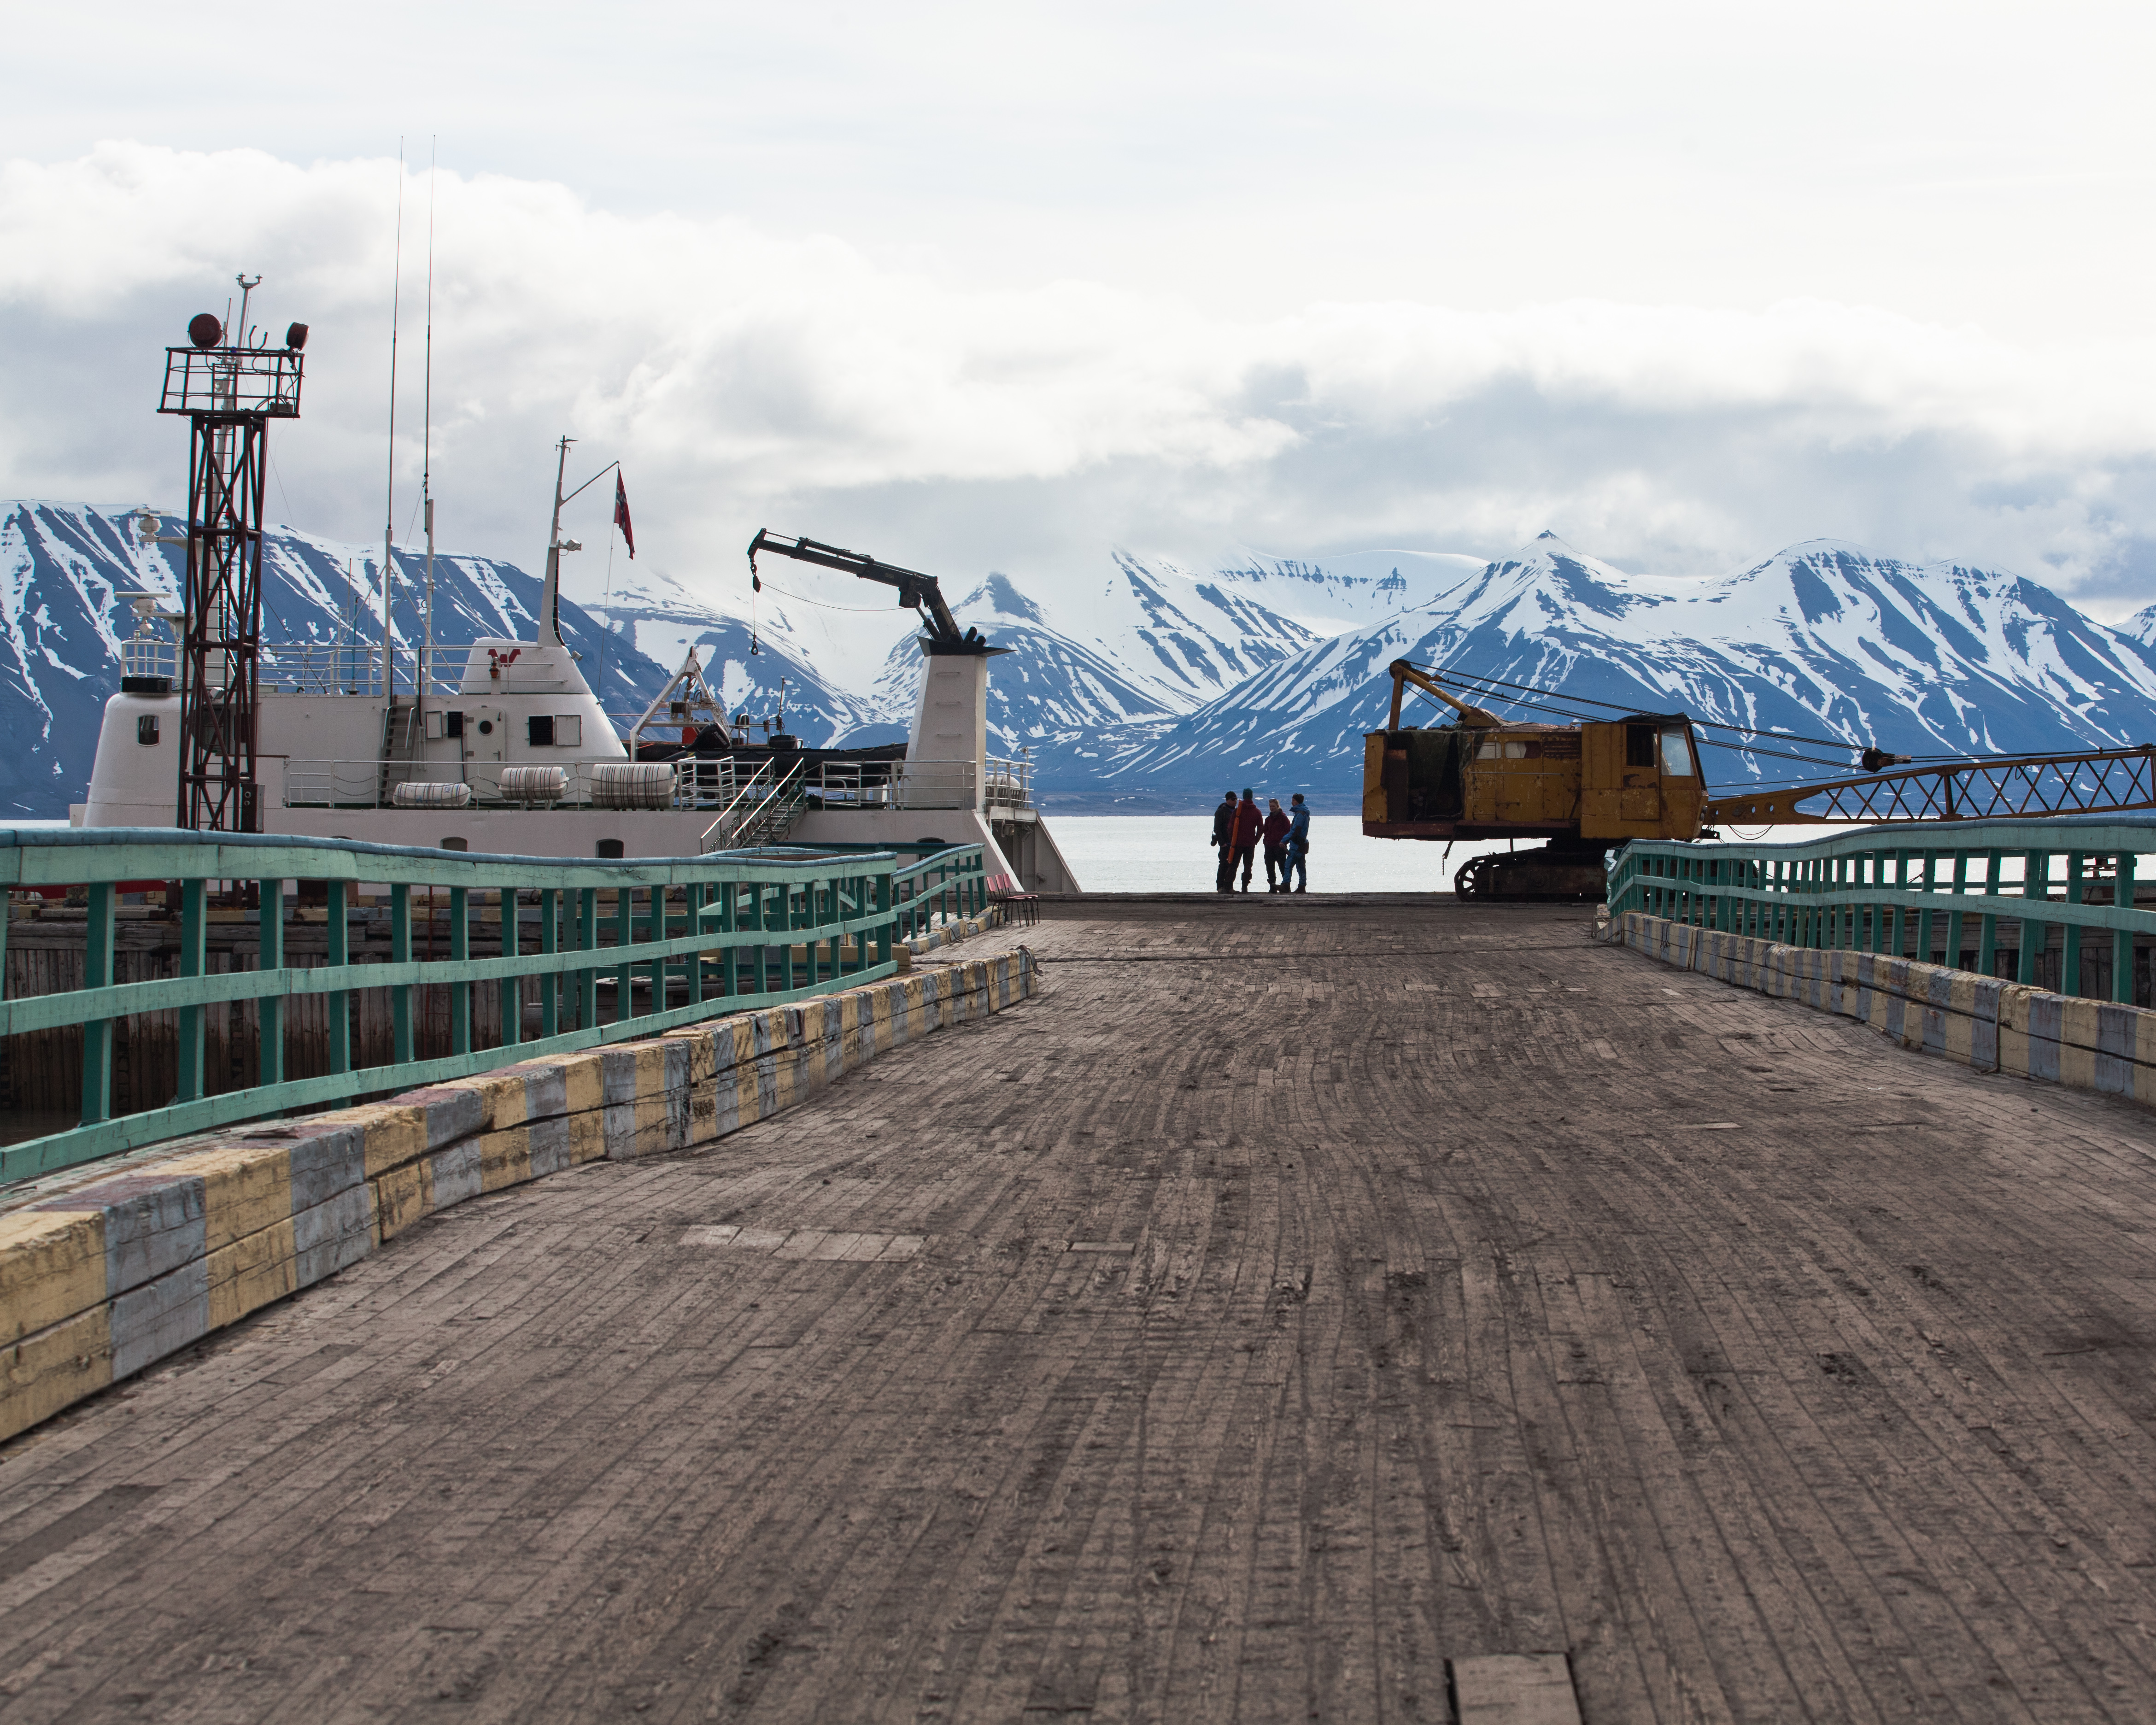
1985	1022
103	1276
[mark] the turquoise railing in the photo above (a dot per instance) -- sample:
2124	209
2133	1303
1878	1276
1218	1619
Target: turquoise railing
722	930
1937	893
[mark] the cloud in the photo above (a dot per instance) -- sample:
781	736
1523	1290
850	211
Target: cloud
746	378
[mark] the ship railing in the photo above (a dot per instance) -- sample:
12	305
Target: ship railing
328	989
934	784
853	784
320	668
2062	904
337	668
147	655
371	783
1008	784
916	784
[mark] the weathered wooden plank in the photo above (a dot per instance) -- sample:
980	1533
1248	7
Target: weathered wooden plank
1514	1689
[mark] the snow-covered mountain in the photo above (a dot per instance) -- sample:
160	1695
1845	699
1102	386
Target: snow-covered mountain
1822	640
1355	590
1084	663
63	565
1150	686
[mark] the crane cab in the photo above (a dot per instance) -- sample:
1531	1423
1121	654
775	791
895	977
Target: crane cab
1639	778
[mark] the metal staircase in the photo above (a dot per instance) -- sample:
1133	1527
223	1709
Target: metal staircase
762	809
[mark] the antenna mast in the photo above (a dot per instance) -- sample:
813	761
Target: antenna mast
427	447
389	512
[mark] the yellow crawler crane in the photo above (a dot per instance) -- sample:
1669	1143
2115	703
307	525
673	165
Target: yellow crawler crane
1578	788
1586	787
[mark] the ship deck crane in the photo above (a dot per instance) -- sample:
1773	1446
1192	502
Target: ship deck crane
915	591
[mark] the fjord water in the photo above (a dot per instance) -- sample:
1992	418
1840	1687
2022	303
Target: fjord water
1169	853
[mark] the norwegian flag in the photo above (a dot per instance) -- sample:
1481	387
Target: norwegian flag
621	516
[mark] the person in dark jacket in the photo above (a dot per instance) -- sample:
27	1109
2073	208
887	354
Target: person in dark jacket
1298	846
1249	824
1276	838
1223	841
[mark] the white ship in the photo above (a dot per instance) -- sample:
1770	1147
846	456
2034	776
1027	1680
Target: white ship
500	745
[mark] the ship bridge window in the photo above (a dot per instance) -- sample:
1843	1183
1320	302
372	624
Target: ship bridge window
145	728
1677	755
609	848
1498	749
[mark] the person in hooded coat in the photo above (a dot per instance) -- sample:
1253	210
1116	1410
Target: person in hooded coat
1276	837
1249	824
1223	841
1298	847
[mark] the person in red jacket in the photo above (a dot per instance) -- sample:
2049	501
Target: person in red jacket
1276	837
1249	824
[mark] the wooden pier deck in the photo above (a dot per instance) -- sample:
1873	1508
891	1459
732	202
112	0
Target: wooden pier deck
1298	1296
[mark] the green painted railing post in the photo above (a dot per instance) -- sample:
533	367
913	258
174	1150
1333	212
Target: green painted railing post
550	941
624	940
508	900
270	1009
193	920
729	911
588	940
824	956
1894	872
400	952
336	951
2122	940
1925	918
2035	884
97	1033
460	1035
790	918
1958	921
2070	953
1987	944
694	898
886	914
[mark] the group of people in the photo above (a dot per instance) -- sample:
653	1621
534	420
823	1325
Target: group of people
1238	831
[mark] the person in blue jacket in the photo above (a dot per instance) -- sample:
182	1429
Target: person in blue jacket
1298	845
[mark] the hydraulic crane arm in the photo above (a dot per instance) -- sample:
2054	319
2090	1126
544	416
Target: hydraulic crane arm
1480	718
915	590
2098	782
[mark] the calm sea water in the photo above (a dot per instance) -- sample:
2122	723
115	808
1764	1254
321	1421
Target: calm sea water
1168	853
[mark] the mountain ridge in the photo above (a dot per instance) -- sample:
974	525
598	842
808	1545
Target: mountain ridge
1145	686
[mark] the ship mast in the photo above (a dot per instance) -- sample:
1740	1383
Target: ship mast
389	511
550	601
427	461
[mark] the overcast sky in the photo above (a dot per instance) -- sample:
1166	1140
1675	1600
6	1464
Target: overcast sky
982	287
